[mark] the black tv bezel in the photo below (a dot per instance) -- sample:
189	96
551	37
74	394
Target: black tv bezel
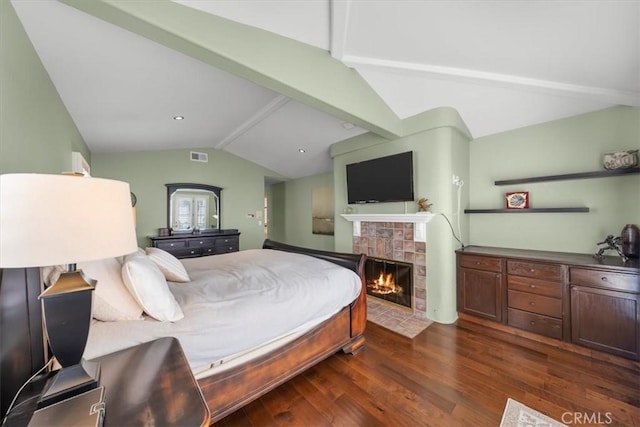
388	200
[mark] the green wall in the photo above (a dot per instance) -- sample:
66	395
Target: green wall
36	131
291	212
147	172
575	144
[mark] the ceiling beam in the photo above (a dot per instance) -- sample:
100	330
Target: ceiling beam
273	106
338	31
611	96
294	69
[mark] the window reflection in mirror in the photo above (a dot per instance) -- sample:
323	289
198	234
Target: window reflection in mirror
193	208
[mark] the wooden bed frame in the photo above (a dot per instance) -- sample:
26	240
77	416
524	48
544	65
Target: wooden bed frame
225	392
228	391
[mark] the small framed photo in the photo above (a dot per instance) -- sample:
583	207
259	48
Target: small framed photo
517	200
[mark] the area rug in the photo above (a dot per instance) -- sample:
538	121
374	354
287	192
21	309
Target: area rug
518	415
398	320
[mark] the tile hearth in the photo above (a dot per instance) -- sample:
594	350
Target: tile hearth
395	318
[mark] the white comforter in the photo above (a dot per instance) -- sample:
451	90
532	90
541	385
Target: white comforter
237	302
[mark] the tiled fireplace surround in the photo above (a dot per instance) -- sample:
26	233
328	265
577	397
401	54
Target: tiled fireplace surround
396	241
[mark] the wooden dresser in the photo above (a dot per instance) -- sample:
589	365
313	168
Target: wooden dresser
197	245
571	297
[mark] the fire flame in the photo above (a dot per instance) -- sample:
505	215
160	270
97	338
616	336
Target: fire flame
385	285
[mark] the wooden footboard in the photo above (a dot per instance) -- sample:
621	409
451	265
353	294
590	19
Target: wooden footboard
228	391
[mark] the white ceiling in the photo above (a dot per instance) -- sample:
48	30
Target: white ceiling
501	64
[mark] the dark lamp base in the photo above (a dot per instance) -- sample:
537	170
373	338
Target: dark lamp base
69	382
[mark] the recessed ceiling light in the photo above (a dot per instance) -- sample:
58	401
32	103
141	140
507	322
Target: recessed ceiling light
301	150
348	125
178	118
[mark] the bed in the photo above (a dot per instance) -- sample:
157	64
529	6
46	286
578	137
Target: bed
237	362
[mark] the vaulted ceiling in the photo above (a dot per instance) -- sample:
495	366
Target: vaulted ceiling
500	64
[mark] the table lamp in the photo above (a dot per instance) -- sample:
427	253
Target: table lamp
50	220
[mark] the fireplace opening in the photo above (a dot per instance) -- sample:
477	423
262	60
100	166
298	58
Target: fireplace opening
389	280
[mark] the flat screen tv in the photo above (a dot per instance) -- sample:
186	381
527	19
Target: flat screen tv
385	179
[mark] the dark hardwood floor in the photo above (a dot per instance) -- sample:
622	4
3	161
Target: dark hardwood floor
451	375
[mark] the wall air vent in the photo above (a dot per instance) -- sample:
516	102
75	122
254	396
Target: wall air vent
199	157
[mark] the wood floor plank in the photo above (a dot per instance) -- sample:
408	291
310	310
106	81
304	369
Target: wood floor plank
451	375
257	413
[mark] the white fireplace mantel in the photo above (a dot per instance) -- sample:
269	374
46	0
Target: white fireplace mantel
420	220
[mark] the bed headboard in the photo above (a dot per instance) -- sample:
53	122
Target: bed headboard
21	335
354	262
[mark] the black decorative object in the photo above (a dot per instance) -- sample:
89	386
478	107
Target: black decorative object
630	237
613	243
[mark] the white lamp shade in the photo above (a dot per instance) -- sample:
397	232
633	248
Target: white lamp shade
60	219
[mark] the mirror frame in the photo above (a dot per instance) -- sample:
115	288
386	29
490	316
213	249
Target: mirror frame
172	188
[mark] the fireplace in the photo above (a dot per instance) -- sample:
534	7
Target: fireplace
389	280
399	238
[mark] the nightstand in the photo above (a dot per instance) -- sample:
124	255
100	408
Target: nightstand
149	384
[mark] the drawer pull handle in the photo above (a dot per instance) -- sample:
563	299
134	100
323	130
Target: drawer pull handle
477	262
171	244
532	303
193	252
604	279
532	270
201	242
532	286
532	323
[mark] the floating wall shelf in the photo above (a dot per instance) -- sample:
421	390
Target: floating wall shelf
580	175
530	210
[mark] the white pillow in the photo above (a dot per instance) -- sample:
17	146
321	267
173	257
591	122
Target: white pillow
170	266
148	286
51	274
112	301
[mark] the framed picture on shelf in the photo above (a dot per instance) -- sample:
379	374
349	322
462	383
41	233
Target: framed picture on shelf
517	200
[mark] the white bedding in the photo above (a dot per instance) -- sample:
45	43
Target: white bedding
238	302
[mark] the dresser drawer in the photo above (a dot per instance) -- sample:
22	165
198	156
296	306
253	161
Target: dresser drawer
205	242
481	263
535	286
227	241
535	269
185	252
535	303
172	245
604	279
224	249
535	323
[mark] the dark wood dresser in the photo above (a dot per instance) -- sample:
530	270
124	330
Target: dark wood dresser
197	245
576	298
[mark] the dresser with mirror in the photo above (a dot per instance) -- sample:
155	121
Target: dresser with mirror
194	223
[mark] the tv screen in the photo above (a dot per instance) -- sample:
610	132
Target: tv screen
385	179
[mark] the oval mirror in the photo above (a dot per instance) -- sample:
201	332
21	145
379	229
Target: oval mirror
193	208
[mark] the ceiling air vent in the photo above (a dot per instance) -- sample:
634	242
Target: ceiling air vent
199	157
